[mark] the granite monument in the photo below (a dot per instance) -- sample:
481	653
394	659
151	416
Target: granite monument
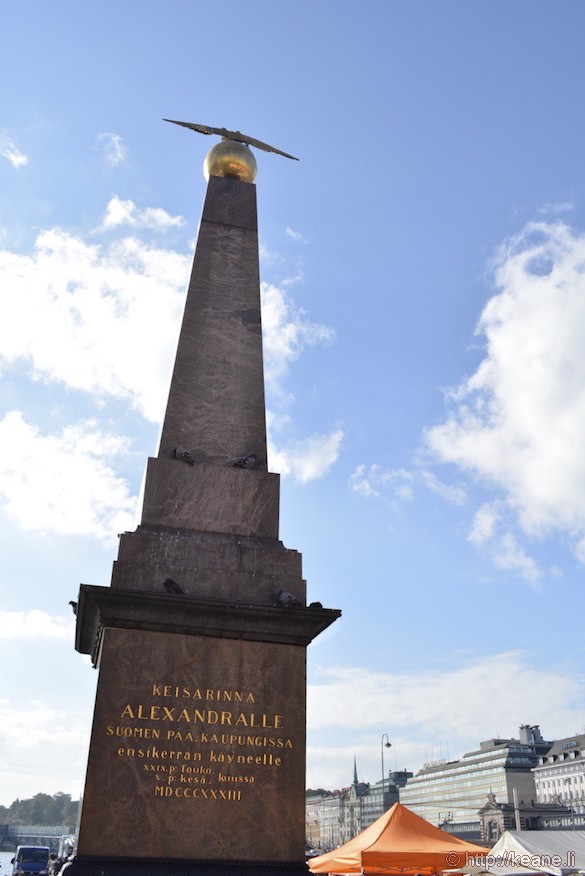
197	751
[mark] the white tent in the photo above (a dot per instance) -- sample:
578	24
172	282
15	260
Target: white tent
557	852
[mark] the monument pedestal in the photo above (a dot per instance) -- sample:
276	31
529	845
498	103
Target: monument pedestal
88	866
199	723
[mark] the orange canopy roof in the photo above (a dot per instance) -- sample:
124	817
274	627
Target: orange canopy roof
398	842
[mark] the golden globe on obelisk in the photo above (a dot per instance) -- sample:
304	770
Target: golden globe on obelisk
197	751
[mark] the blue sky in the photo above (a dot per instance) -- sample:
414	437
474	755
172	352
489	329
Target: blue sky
424	315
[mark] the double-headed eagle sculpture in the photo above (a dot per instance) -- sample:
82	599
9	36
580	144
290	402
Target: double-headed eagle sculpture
231	135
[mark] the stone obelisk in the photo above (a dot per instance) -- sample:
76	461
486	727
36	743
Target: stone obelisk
197	751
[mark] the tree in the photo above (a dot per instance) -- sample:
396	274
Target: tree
41	809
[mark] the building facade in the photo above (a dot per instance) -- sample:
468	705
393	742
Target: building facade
559	777
335	817
450	794
495	818
13	835
313	821
526	782
382	796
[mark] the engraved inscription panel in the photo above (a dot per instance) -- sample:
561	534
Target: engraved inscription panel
197	750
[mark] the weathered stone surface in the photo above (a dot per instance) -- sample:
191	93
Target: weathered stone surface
208	565
144	791
211	498
216	401
228	202
228	553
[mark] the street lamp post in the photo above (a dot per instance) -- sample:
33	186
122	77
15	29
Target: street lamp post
384	745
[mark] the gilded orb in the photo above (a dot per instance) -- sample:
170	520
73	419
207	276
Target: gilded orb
232	159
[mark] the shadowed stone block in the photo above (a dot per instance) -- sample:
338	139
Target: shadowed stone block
191	737
211	498
208	565
226	553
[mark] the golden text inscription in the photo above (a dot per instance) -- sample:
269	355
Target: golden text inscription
200	743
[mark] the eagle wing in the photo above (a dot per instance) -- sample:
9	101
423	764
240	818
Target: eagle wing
231	135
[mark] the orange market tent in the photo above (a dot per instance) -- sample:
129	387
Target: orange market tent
398	842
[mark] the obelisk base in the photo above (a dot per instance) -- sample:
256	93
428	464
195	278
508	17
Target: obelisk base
102	866
197	753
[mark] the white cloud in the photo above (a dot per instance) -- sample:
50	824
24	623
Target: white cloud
513	426
556	208
63	483
484	523
307	459
119	212
34	722
362	482
489	529
455	494
295	235
287	332
113	148
44	745
297	277
397	485
516	423
35	625
11	152
510	556
131	294
421	709
99	318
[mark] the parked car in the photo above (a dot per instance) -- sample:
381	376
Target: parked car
30	861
